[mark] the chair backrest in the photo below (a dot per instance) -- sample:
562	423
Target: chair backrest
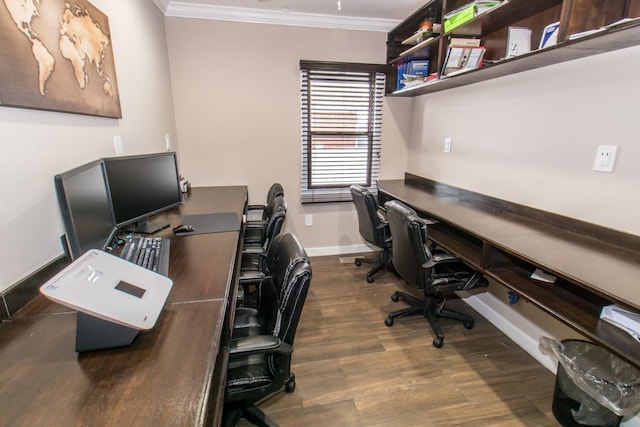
278	212
409	250
276	190
282	297
290	279
370	221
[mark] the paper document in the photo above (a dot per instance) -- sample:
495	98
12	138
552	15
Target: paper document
626	320
542	276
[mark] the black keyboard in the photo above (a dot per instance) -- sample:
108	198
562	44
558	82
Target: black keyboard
149	252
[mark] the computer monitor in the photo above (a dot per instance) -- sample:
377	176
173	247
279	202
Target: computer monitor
85	204
142	186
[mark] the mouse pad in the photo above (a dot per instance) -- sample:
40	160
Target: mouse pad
211	223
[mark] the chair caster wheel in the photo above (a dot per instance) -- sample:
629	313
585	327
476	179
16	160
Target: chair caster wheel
358	263
437	343
369	279
469	324
388	321
395	298
290	385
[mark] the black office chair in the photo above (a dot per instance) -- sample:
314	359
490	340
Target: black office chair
434	272
373	227
257	242
275	190
256	232
262	340
255	267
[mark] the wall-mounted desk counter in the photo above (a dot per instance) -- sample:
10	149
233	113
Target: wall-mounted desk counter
594	266
171	375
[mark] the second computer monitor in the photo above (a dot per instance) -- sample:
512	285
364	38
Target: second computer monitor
142	186
85	205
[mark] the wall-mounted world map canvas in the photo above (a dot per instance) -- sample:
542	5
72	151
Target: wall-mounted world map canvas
57	55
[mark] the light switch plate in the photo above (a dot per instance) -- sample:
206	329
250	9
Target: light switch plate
117	142
447	145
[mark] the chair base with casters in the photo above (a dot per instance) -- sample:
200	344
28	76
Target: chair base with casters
373	228
380	263
432	307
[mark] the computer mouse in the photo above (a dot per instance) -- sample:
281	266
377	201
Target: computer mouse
184	228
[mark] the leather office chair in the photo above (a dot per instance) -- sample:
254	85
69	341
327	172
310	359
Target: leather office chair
373	227
256	232
275	190
255	266
258	239
262	340
257	242
435	273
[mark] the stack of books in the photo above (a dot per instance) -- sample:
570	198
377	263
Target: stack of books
412	73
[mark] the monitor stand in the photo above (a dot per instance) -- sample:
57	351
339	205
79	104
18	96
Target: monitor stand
147	227
97	334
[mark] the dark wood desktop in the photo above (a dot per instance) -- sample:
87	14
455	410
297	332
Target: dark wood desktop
594	266
171	375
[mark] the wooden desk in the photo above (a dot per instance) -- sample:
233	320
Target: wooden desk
171	375
594	266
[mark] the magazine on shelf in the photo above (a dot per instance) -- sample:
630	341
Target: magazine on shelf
461	59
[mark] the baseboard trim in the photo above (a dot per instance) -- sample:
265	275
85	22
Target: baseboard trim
18	295
522	334
339	250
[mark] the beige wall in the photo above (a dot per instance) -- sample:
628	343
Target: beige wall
532	138
237	100
37	145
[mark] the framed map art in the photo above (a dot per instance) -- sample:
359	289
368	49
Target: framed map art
57	55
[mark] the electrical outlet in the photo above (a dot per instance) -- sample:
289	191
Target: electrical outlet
308	220
605	158
447	145
117	143
167	141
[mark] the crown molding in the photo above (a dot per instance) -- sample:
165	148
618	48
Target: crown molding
261	16
163	5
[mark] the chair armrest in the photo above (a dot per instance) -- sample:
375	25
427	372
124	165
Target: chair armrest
259	344
256	223
256	207
253	250
440	259
250	277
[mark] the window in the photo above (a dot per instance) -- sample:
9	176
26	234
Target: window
341	127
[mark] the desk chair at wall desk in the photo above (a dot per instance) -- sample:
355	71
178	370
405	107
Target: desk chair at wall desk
256	232
435	273
275	190
262	340
256	246
373	227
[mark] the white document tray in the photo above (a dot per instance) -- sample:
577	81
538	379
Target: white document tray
110	288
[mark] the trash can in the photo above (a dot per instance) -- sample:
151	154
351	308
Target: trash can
593	387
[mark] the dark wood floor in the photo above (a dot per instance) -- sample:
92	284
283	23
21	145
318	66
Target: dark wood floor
352	370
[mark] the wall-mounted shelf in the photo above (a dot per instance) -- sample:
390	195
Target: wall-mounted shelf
492	26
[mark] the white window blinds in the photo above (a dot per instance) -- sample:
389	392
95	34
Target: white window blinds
341	128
